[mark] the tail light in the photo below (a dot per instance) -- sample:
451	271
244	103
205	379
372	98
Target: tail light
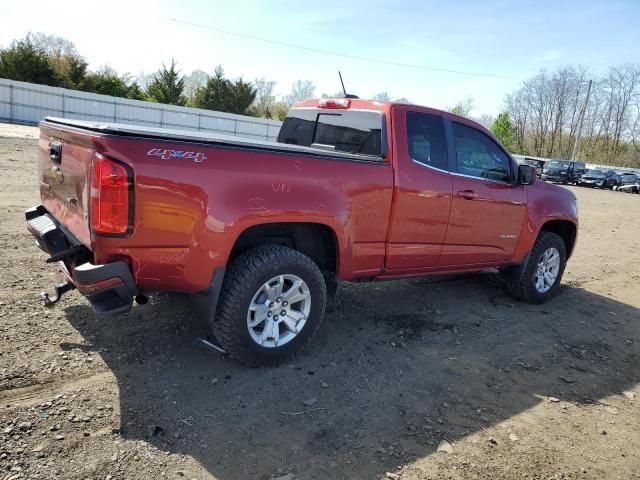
111	197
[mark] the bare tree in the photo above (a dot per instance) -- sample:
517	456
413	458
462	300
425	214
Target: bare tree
300	90
193	82
546	108
463	108
382	97
485	120
53	45
265	97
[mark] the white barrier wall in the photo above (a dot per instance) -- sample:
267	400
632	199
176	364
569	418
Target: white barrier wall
22	102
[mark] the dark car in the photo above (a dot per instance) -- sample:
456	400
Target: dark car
599	178
627	178
537	164
563	171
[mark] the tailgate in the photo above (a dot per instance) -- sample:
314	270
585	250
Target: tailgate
64	164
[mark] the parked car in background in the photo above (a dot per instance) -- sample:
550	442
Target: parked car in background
563	171
627	178
630	188
599	178
537	164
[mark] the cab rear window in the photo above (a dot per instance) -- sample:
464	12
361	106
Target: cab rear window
355	132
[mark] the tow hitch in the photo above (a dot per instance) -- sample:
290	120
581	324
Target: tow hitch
61	289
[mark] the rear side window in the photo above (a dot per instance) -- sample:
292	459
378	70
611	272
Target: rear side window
479	156
426	140
344	131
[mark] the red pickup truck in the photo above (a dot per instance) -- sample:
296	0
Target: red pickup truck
261	232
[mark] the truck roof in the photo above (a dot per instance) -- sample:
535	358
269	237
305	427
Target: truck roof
367	104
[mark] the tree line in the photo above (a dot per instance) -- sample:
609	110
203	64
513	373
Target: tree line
55	61
541	118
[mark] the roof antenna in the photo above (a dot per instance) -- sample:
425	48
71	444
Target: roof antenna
346	95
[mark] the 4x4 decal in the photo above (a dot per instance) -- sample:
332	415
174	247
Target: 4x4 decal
197	157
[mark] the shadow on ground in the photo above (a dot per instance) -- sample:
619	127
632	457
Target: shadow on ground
396	367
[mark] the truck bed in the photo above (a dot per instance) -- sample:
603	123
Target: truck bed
209	138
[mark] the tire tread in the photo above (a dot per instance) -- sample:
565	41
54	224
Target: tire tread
522	288
242	275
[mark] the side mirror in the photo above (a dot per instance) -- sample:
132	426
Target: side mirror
526	175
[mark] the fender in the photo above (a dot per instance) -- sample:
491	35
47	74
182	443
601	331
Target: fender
545	203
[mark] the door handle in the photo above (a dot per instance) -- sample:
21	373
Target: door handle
468	194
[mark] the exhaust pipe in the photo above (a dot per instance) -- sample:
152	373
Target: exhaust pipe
141	299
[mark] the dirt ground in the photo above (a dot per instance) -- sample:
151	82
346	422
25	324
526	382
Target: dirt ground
511	390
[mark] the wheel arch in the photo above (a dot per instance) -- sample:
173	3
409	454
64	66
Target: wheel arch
566	229
316	240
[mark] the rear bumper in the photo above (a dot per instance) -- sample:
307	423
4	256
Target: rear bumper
110	288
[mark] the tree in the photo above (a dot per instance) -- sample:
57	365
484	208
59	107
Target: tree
69	65
223	95
144	80
545	113
301	90
72	70
167	86
265	97
193	82
485	119
335	95
53	45
280	110
463	108
26	62
382	97
503	130
242	96
107	82
214	94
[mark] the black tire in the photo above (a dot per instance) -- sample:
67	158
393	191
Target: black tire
524	288
243	279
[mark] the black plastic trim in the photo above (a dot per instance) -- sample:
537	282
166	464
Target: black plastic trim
514	273
111	300
205	303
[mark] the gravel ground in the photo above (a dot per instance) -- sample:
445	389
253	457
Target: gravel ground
416	379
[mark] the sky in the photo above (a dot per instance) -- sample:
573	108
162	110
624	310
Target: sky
493	44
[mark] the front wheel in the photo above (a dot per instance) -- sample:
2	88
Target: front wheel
272	302
543	271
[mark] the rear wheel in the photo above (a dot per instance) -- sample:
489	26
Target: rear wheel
543	271
272	302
